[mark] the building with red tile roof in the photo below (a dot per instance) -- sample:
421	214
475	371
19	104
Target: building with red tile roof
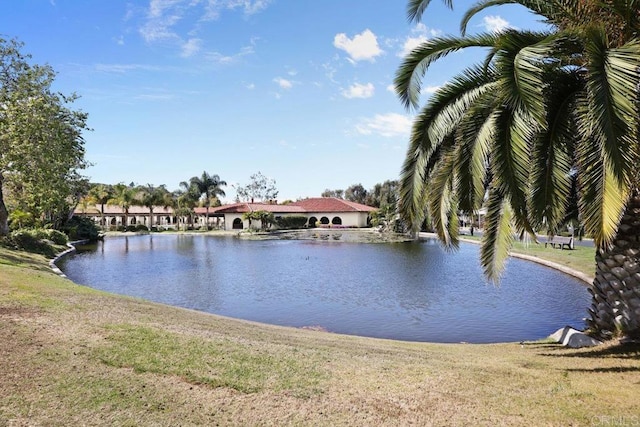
319	211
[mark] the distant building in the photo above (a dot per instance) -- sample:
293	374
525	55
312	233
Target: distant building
319	211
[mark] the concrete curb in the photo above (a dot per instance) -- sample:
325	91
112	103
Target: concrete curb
563	268
71	250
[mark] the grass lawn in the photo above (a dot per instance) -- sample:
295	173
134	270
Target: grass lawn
581	259
71	355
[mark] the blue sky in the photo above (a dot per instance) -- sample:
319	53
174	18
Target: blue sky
296	89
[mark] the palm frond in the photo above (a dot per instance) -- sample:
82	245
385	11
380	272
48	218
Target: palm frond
416	8
519	62
408	80
411	205
448	118
474	136
551	157
545	8
612	86
498	235
442	200
431	129
510	160
603	194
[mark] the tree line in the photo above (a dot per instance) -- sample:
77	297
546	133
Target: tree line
202	190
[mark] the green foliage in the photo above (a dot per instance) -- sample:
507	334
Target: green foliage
81	228
40	141
267	219
57	237
21	219
541	109
291	222
37	240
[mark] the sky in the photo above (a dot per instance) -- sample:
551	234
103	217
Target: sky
299	90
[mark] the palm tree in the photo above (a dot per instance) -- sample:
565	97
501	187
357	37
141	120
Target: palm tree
208	186
512	132
100	195
151	196
184	200
123	196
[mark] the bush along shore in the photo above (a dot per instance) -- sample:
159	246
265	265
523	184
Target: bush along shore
72	355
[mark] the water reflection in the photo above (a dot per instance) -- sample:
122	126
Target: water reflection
409	291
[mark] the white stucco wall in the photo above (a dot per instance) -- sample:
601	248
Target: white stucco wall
349	219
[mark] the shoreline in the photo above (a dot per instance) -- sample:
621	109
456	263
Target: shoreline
74	354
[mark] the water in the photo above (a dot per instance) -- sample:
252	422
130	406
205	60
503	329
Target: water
405	291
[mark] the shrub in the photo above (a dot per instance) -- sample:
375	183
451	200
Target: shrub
291	222
79	228
57	237
25	239
20	219
29	240
142	227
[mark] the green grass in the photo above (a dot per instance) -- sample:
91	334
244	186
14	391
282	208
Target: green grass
74	356
582	258
216	363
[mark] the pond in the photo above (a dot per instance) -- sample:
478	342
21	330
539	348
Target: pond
406	291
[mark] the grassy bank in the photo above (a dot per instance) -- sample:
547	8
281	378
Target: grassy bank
71	355
581	259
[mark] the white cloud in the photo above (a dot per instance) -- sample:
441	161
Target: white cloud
283	83
420	35
362	47
430	89
495	24
222	59
191	47
124	68
391	88
163	16
250	86
358	90
387	125
249	7
411	43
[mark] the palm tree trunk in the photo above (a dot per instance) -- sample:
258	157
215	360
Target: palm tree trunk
615	308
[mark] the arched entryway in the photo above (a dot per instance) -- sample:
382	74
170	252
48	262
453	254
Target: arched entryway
324	220
312	221
336	220
237	224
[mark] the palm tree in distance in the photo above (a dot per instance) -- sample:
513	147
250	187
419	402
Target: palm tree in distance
184	200
100	195
123	196
208	186
152	196
510	134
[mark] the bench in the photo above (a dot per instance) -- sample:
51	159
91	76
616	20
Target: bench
560	242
